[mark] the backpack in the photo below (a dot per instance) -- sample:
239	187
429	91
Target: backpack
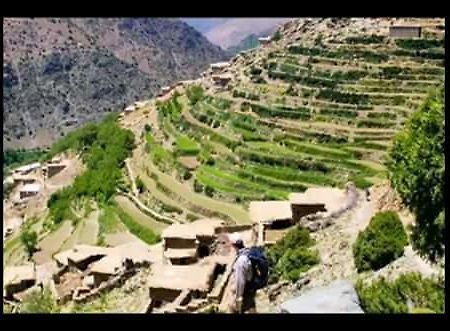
260	267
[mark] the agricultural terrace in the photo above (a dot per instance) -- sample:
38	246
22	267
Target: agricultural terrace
297	116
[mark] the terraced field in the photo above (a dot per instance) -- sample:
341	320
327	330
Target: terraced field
318	107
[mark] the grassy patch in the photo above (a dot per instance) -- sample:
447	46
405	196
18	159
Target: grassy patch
143	233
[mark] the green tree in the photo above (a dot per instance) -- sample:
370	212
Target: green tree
140	185
29	240
276	36
195	93
416	167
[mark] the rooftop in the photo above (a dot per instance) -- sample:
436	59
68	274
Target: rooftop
17	274
268	211
331	197
220	65
205	227
137	252
80	253
109	265
175	253
29	167
223	77
190	277
31	188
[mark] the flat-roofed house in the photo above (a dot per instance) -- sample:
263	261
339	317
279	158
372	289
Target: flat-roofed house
269	215
23	170
316	199
18	278
23	179
29	190
168	281
185	243
52	168
81	256
405	31
222	80
106	267
264	40
130	109
219	66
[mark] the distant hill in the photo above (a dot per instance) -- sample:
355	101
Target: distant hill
247	43
204	24
234	30
60	73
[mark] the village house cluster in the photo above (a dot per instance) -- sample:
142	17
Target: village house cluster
79	273
27	183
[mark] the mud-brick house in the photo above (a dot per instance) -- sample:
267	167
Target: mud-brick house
26	169
316	199
405	31
268	217
107	267
265	40
53	167
185	243
219	66
221	81
17	279
29	190
80	256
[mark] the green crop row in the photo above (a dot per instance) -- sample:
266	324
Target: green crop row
390	116
375	123
372	39
339	113
290	174
343	97
306	80
278	158
297	113
309	149
349	54
186	146
272	182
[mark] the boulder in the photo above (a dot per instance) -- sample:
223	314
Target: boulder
338	297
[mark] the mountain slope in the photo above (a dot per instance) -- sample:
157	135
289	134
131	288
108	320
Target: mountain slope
60	73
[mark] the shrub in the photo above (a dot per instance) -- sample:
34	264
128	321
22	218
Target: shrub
195	93
380	243
198	188
140	185
147	128
276	36
40	302
187	175
29	240
417	168
209	191
290	256
255	71
423	294
296	261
